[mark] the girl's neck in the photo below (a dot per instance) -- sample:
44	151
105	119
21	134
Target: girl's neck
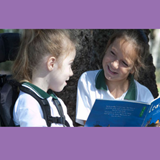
117	88
40	77
41	83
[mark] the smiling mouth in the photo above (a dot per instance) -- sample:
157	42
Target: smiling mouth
111	71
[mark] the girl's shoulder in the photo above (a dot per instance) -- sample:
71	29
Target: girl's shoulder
89	75
26	100
141	87
143	93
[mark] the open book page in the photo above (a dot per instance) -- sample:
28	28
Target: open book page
117	113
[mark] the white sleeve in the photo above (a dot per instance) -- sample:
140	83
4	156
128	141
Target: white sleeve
83	101
28	113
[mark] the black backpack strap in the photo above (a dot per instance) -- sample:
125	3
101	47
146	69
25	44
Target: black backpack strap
46	109
43	103
60	111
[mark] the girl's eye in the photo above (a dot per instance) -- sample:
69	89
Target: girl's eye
112	53
125	63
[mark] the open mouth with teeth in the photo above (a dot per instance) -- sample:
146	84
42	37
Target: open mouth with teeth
111	72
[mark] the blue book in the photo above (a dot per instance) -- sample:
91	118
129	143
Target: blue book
123	113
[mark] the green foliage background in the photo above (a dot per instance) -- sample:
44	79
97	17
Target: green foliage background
6	66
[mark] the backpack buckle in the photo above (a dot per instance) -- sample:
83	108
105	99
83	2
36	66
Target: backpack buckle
60	120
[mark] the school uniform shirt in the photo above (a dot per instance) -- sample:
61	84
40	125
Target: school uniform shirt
28	113
92	86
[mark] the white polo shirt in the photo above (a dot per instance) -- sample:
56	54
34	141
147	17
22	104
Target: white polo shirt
28	113
92	86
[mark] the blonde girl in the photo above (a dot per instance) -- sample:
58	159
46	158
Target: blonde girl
43	65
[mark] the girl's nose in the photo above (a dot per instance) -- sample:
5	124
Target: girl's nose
115	64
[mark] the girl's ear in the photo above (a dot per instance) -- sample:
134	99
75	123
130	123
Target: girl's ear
50	63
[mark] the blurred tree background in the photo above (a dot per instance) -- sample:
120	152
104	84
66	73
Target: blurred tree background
89	51
155	50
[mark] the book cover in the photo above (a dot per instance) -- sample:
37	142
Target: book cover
123	113
153	117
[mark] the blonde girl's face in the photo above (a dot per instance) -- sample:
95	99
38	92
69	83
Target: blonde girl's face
62	71
118	61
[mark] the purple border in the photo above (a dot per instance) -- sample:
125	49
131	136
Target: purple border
79	143
72	14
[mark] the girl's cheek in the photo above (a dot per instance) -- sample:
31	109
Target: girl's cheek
108	59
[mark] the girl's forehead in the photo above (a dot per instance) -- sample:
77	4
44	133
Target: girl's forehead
68	55
127	47
124	48
121	43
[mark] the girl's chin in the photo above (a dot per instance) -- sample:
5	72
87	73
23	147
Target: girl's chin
109	76
59	89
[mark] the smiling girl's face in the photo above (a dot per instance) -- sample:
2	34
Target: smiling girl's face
118	61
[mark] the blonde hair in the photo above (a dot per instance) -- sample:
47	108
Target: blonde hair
37	43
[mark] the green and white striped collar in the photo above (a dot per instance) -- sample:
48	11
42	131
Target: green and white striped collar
100	83
42	94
